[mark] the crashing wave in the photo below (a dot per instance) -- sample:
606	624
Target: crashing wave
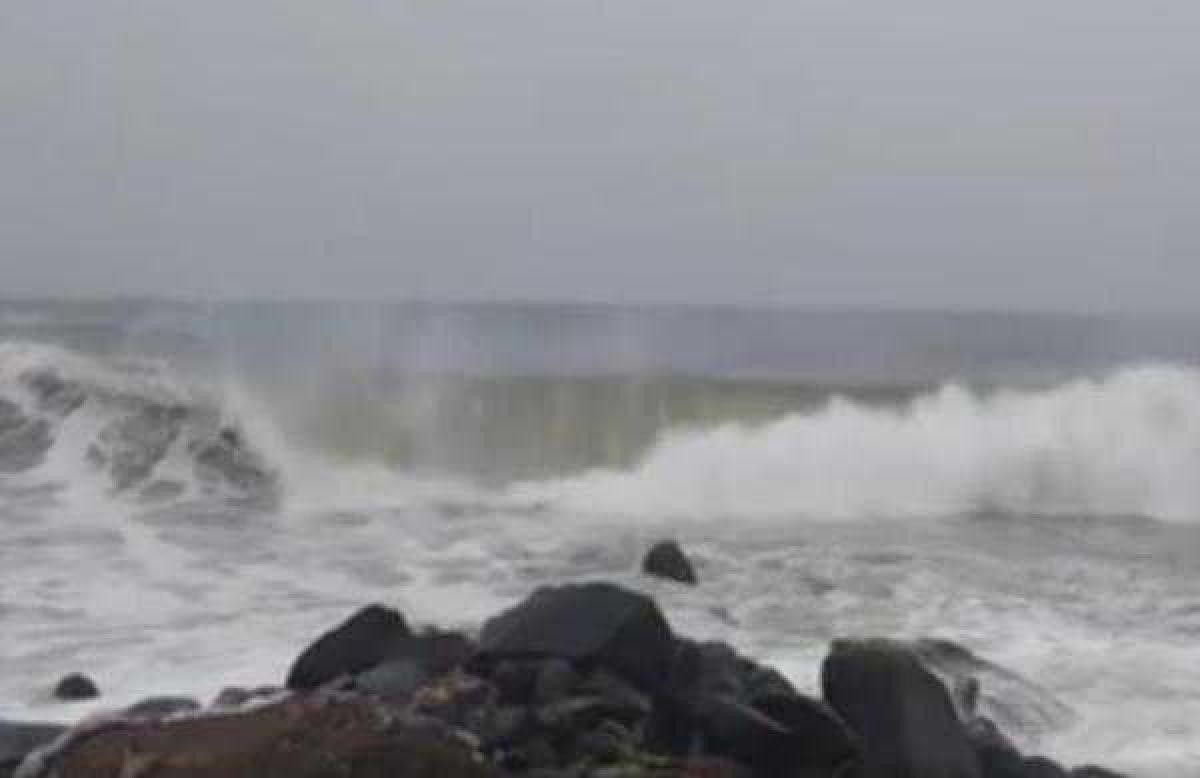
1127	445
134	423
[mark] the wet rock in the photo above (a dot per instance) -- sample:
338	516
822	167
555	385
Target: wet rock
667	560
997	760
367	639
594	624
537	753
734	730
504	727
1015	704
901	712
158	707
616	691
826	740
456	698
603	745
301	738
714	767
18	739
1040	767
516	680
75	687
555	680
716	668
983	733
396	679
1092	771
580	714
237	697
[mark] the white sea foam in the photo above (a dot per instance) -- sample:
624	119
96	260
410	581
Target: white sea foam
1127	444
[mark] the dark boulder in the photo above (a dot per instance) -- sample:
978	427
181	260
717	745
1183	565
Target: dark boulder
367	639
1017	705
999	761
556	679
727	728
75	687
667	560
1041	767
1092	771
592	624
18	739
376	646
515	680
716	668
902	712
824	738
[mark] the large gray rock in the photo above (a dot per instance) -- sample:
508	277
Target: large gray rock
901	711
593	624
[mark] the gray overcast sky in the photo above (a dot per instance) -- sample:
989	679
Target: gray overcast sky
1027	153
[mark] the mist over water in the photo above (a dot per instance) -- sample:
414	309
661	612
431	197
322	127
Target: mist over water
249	473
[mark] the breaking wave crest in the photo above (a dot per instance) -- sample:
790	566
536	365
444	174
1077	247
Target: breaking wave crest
132	426
1124	445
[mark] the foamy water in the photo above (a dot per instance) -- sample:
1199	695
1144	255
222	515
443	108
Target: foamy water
1054	530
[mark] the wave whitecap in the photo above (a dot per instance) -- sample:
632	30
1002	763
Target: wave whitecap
1124	445
133	423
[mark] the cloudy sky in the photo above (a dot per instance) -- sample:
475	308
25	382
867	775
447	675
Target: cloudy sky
960	153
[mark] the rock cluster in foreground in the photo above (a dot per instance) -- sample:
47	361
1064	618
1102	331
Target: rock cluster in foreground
578	681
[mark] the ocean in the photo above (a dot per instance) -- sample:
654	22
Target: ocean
189	492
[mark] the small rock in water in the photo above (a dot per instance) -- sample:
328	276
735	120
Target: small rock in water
75	687
667	560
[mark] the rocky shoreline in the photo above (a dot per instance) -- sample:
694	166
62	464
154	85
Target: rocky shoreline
577	681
